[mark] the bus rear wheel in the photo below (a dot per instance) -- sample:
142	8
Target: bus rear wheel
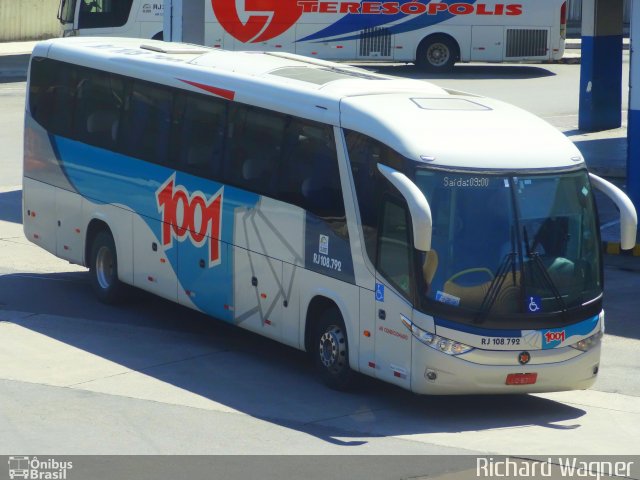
331	350
103	267
437	53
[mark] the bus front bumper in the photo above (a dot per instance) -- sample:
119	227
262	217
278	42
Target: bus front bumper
436	373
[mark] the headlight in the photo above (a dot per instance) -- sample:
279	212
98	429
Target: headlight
588	343
444	345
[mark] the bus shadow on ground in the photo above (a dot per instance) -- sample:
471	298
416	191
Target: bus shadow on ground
209	363
464	71
11	206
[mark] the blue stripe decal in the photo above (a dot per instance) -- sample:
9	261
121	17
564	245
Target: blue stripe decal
134	184
581	328
485	332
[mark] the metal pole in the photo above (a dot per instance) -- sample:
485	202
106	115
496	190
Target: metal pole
633	129
601	69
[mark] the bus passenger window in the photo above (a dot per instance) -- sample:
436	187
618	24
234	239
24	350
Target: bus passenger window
201	135
98	108
52	95
146	122
255	148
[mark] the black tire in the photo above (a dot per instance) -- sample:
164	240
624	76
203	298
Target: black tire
437	53
104	269
331	350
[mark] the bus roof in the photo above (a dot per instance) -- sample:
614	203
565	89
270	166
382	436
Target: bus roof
417	119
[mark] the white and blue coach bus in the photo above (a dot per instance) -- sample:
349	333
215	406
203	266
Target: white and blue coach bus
439	241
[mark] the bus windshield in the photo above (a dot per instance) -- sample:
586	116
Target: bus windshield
505	245
66	11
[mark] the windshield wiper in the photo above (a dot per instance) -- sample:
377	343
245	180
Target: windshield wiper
507	263
546	278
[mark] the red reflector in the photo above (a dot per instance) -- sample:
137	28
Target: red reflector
150	279
77	230
521	378
66	247
278	46
263	295
267	321
372	365
163	260
397	374
338	46
36	236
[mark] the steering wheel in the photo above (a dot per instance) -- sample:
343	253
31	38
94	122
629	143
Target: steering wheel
471	270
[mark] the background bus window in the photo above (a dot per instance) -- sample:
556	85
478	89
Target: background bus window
255	147
104	13
99	102
52	95
146	122
199	147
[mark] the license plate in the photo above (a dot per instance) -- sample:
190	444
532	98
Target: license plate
521	378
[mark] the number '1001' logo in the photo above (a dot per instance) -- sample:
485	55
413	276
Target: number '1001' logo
190	216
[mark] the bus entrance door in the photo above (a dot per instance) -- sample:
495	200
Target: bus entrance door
393	341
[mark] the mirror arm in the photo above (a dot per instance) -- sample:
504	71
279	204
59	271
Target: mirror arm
418	206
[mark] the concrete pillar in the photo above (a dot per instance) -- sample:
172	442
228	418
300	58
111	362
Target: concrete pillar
633	130
601	69
184	21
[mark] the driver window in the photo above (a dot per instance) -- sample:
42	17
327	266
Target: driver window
394	248
104	13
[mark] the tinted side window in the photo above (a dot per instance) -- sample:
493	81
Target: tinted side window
309	176
255	148
104	13
394	248
364	155
52	95
202	122
98	107
145	129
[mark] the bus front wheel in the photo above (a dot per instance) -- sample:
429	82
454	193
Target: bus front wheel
104	269
331	350
437	53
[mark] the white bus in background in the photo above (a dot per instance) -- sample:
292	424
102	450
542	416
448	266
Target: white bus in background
112	18
433	34
443	242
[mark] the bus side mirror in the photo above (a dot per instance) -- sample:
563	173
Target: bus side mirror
628	216
418	207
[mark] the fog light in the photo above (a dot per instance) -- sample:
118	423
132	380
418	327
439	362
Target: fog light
431	375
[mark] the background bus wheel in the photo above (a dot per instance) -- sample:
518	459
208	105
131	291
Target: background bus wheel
437	53
104	269
331	350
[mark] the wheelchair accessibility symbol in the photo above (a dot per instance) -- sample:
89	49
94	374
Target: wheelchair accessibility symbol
534	304
379	292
